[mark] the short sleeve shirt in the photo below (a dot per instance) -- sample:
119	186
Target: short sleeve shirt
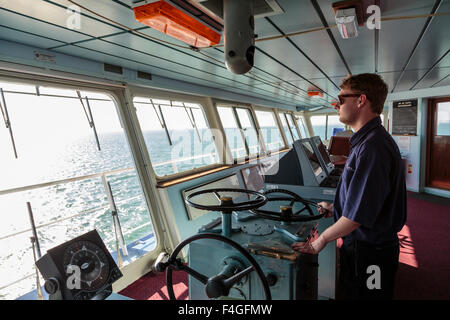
372	189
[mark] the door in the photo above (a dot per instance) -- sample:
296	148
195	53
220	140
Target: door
438	144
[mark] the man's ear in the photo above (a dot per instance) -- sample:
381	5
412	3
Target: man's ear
362	101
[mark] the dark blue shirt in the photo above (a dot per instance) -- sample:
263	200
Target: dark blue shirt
372	189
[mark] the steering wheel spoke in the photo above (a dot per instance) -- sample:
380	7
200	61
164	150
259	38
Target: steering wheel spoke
292	217
197	275
303	209
238	276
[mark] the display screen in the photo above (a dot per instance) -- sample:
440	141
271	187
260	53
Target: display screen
253	178
309	151
323	151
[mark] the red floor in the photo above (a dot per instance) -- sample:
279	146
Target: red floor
153	287
424	269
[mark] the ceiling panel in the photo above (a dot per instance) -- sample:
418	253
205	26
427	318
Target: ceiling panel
176	73
435	43
107	8
330	63
26	38
299	65
390	78
393	54
281	70
297	16
409	78
15	20
149	52
358	52
444	82
433	77
54	13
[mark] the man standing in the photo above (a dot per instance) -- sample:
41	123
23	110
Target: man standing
370	203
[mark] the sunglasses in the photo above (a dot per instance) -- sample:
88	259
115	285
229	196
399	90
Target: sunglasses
342	96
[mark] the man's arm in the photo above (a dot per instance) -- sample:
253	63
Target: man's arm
341	228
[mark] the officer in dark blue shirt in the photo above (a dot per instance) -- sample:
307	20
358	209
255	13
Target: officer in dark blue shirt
370	203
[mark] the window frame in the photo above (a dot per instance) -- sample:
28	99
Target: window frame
117	93
274	115
302	119
292	116
234	107
154	94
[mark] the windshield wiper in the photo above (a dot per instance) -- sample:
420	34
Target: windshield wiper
7	122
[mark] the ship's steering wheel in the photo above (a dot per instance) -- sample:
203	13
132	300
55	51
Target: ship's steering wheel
218	285
227	205
286	214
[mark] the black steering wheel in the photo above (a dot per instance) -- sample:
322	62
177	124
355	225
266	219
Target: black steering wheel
286	214
226	202
218	285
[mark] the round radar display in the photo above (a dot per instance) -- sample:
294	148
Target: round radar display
86	265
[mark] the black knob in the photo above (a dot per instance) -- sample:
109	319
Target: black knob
271	279
51	286
215	287
161	266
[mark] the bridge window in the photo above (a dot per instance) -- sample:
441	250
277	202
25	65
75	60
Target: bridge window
286	129
334	126
291	123
302	127
443	119
318	124
176	134
68	151
240	131
269	130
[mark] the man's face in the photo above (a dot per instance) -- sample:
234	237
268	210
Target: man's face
347	106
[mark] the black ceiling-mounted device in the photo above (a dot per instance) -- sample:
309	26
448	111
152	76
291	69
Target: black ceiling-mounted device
79	269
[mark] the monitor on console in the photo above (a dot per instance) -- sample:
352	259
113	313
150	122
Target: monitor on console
323	155
253	178
313	174
311	156
299	166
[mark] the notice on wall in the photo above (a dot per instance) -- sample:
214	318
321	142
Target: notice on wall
404	118
404	144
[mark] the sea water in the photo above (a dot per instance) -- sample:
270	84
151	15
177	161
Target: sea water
78	206
81	206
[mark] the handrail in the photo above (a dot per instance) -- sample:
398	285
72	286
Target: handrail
56	182
85	177
18	280
158	164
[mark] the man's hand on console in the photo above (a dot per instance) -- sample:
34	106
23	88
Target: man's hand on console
310	246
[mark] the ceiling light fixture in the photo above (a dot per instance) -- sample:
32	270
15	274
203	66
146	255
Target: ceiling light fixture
349	15
315	94
347	23
174	22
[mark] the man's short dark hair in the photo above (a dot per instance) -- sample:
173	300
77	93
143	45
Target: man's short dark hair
372	85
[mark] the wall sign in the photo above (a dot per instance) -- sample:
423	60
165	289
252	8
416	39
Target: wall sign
404	118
